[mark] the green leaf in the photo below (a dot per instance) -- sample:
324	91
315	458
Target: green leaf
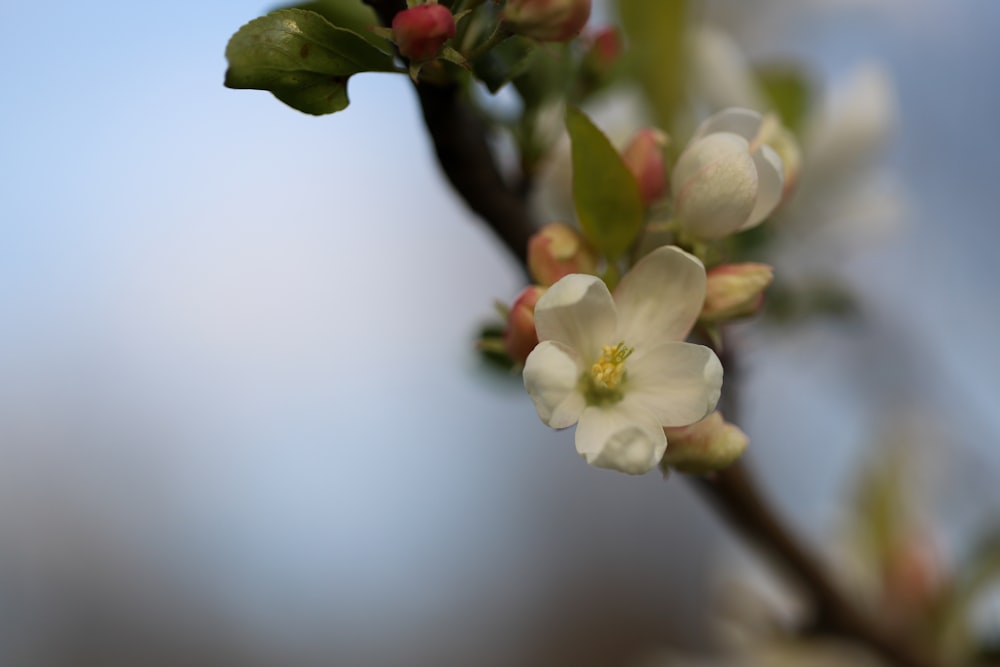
787	89
608	203
301	58
509	59
354	15
655	31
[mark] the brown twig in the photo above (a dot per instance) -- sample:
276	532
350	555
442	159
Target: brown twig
735	495
460	136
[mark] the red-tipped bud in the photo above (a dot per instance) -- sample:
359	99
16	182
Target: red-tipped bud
421	31
519	337
546	20
557	250
913	576
735	290
703	447
605	46
603	51
644	158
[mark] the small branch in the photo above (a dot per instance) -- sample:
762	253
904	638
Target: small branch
460	141
736	497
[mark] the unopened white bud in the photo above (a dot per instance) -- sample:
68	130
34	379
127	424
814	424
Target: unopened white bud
703	447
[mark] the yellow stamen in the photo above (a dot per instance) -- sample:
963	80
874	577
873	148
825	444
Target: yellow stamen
608	371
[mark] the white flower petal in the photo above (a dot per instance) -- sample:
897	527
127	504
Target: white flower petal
579	312
744	122
770	183
679	383
660	298
551	376
622	437
716	185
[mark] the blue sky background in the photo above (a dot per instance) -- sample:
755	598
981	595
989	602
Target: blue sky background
237	400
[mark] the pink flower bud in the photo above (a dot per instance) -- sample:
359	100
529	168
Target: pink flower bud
519	337
605	46
703	447
913	576
558	250
421	31
644	158
735	290
546	20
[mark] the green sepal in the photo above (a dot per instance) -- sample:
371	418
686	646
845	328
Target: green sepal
302	59
452	56
975	577
608	202
713	332
817	297
491	348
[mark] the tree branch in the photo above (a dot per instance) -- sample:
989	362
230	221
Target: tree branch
735	495
459	136
460	142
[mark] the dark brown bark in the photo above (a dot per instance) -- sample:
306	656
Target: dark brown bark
460	138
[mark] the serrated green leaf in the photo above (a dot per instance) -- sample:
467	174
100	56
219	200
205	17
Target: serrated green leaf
606	194
787	89
656	34
301	58
353	15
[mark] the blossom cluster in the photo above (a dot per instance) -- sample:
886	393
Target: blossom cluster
612	355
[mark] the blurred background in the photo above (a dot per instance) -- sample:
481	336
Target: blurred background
241	417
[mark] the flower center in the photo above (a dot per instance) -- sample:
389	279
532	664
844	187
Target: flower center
607	372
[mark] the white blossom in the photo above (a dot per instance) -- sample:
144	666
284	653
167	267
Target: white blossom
617	366
727	179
